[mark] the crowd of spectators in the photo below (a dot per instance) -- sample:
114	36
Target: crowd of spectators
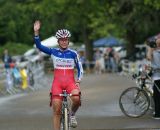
107	60
17	77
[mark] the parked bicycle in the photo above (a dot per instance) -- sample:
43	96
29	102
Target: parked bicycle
66	109
136	101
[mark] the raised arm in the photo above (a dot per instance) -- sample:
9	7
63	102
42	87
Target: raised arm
37	26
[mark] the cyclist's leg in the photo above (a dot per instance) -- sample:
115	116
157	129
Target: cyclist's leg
75	90
57	104
75	101
156	96
74	107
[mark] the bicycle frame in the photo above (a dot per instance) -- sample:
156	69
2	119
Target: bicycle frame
141	82
65	111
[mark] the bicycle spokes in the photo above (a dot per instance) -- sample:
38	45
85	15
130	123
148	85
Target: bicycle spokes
134	102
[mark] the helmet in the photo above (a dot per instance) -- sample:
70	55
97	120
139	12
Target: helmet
63	33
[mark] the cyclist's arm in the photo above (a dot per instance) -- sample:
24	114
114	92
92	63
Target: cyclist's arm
37	26
41	47
79	68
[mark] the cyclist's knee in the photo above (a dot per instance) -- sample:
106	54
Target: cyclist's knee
76	99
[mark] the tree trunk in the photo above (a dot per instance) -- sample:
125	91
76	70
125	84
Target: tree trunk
88	45
131	38
89	50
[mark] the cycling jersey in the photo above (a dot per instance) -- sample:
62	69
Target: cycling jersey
64	63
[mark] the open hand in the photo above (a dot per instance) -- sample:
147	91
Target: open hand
37	26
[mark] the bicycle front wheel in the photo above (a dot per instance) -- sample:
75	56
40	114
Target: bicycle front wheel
66	119
134	102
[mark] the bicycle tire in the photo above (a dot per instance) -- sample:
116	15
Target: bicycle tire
134	102
66	119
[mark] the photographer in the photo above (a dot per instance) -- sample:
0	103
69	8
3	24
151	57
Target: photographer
153	55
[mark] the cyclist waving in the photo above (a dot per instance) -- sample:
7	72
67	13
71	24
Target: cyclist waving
64	60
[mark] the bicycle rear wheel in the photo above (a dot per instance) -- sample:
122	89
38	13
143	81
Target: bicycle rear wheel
134	102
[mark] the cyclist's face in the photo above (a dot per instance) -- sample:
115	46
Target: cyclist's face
63	42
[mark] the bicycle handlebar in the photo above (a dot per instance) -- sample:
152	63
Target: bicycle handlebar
64	94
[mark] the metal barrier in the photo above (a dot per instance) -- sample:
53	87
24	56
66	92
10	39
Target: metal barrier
129	67
23	77
2	81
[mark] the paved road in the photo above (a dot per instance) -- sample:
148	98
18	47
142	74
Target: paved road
99	110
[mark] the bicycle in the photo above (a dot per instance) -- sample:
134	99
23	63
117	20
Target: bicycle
66	109
136	101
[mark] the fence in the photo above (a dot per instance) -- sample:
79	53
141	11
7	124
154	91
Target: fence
129	67
21	78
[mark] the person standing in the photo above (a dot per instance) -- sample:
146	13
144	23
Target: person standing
6	58
153	55
64	60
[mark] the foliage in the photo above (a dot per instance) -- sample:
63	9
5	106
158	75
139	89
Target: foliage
140	20
88	20
15	48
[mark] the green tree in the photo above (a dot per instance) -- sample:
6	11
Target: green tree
88	20
140	20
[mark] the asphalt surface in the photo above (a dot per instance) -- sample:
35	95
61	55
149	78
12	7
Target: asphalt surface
99	110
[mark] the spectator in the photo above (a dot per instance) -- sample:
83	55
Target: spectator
117	60
153	55
111	65
6	58
82	59
99	62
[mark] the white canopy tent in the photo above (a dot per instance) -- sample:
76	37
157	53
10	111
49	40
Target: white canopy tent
50	42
